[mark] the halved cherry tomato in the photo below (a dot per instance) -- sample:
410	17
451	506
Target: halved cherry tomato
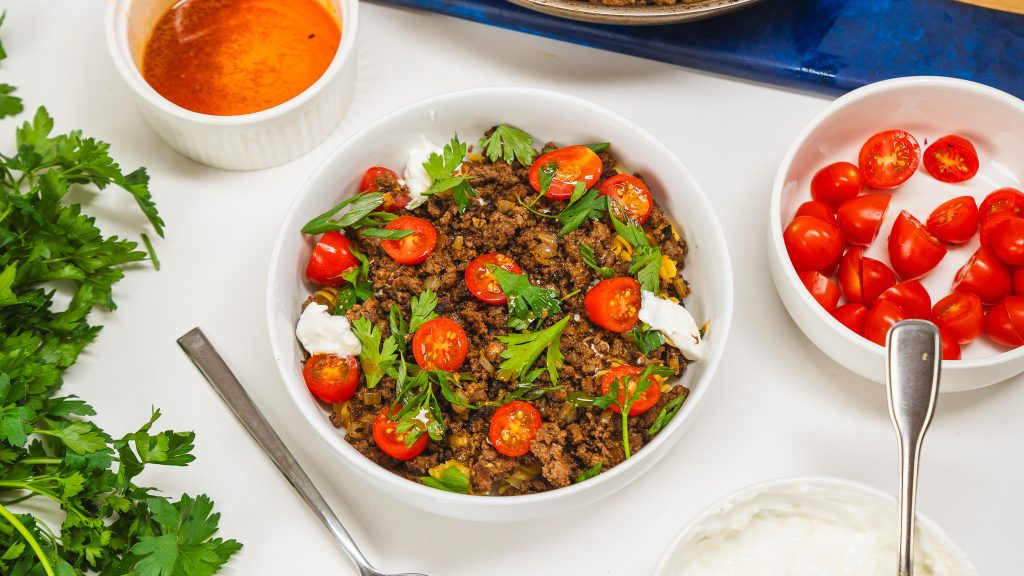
911	297
440	343
999	327
1018	282
513	427
853	316
875	278
988	225
984	275
951	159
960	315
860	219
812	243
614	303
372	174
880	318
913	251
1002	200
414	248
954	221
822	288
950	347
480	280
648	398
888	159
391	441
818	209
836	183
572	164
850	275
630	194
1007	240
1015	310
331	378
331	258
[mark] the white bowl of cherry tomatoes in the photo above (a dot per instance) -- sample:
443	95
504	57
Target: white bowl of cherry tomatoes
904	199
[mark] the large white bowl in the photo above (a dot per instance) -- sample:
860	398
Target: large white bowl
547	116
928	108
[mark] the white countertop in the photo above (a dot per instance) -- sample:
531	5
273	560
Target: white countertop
779	407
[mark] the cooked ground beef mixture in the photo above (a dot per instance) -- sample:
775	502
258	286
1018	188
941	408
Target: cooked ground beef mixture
507	217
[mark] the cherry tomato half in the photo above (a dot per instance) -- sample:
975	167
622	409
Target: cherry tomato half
513	427
912	297
614	304
648	398
813	244
950	347
988	225
440	343
913	251
836	183
999	327
888	159
1002	200
630	194
414	248
860	219
331	258
853	316
572	164
818	209
951	159
1007	240
481	281
985	275
850	275
960	315
391	441
331	378
1015	310
822	288
954	221
880	318
373	174
875	278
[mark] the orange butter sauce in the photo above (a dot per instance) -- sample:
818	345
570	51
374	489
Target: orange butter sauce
231	57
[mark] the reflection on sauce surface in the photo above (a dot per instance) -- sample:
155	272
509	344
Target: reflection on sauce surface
229	57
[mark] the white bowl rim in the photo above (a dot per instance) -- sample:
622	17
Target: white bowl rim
326	431
820	481
775	209
117	45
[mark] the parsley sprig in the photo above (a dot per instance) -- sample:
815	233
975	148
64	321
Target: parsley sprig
509	144
523	349
643	382
376	357
9	105
646	339
451	480
528	305
362	215
587	255
646	260
583	205
667	414
441	169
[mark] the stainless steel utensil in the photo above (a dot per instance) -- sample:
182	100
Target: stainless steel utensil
217	373
912	385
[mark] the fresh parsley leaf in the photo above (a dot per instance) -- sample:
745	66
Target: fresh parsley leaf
589	205
528	305
509	144
667	414
375	358
185	546
9	105
527	390
646	340
625	400
451	480
590	472
545	175
523	349
386	234
359	207
646	260
423	306
441	169
598	147
587	255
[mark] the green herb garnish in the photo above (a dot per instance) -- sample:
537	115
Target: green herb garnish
441	169
646	340
509	144
423	306
9	105
545	175
590	472
643	382
376	358
528	305
667	414
583	205
452	480
362	215
587	255
523	349
598	147
646	260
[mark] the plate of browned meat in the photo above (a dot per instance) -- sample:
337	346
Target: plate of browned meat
634	12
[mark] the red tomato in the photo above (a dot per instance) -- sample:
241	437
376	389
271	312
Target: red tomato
414	248
850	275
630	194
1018	282
373	173
853	316
573	164
999	326
513	427
861	218
1007	240
913	251
331	378
480	280
331	258
875	278
614	303
836	183
822	288
960	315
1002	200
889	159
394	202
950	347
984	275
819	210
813	244
1015	310
880	318
391	441
954	221
911	297
440	343
951	159
648	398
988	225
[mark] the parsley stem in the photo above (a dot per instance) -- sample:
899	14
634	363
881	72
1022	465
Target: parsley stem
13	520
41	461
625	432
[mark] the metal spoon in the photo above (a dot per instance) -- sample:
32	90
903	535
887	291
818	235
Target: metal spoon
912	384
217	373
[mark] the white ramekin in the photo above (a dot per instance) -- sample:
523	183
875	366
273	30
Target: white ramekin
248	141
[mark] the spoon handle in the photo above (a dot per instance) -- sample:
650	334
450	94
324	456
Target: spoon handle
219	375
912	385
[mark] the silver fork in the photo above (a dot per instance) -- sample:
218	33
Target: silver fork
216	371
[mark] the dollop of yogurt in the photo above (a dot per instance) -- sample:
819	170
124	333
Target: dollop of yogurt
321	332
673	321
415	177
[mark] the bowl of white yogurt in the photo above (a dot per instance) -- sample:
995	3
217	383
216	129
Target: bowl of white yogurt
807	526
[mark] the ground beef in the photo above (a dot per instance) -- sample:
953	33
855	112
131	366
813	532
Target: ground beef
572	439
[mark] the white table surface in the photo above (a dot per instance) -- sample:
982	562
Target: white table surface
779	406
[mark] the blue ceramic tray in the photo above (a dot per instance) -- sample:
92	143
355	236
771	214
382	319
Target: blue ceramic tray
824	46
